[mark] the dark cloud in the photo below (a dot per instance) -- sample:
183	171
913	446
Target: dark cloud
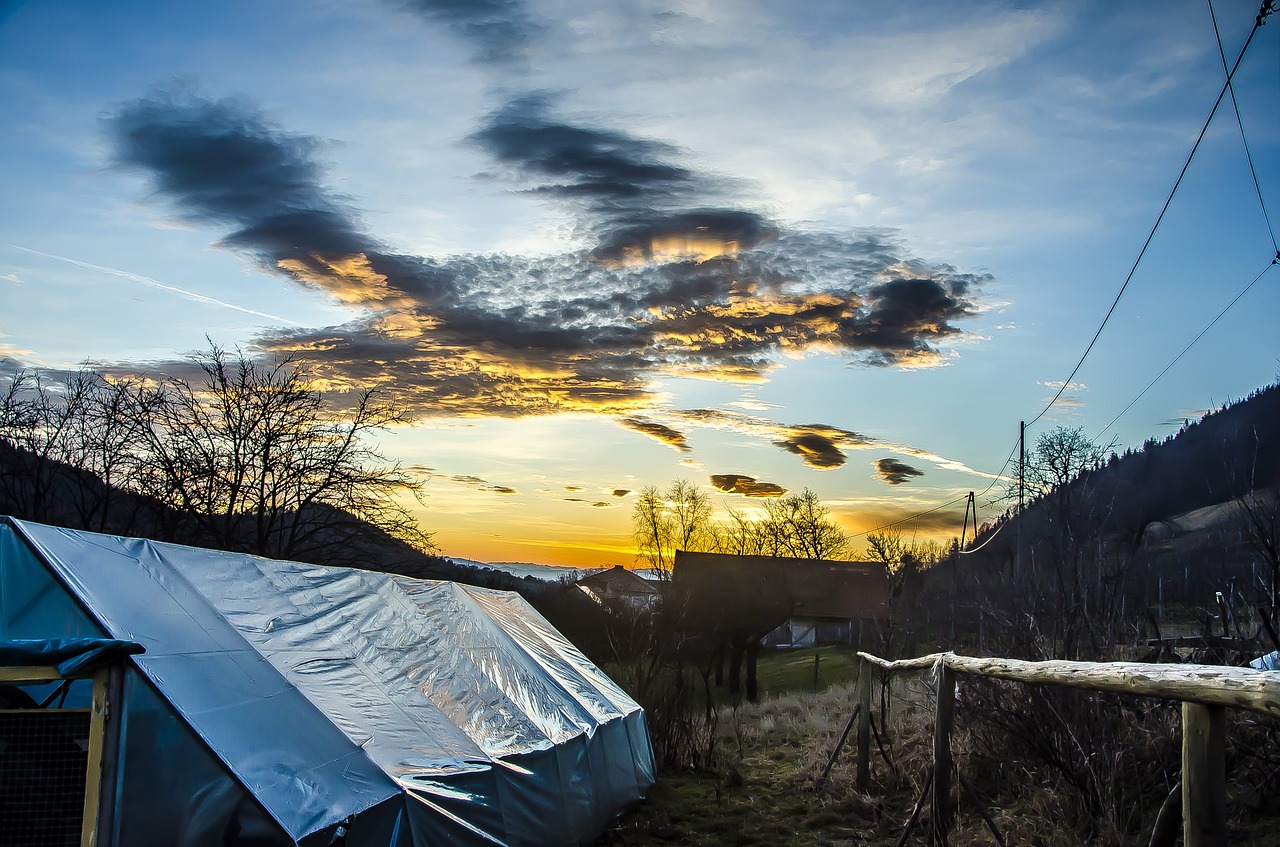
676	281
499	489
595	504
904	315
821	446
222	162
747	486
816	448
896	472
663	433
569	160
620	492
641	205
573	488
498	29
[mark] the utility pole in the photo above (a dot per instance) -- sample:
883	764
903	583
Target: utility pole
970	508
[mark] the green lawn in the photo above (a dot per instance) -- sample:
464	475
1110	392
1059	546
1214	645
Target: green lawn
792	671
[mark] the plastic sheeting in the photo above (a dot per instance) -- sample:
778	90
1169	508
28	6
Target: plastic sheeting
410	712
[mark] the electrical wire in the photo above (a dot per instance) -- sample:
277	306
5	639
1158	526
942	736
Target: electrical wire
1257	187
1159	219
990	538
1186	349
910	518
1265	9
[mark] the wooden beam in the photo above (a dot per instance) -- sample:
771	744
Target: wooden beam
924	663
29	674
1208	685
1204	776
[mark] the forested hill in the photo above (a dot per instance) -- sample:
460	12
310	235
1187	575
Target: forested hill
1224	455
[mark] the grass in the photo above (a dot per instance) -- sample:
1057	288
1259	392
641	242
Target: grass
781	672
765	790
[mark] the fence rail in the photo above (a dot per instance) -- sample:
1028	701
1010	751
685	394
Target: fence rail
1205	692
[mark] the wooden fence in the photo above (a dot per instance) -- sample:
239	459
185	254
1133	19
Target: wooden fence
1205	692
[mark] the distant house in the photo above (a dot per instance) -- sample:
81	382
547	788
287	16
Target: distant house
790	602
617	584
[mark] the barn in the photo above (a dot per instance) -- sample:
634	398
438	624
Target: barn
178	695
786	601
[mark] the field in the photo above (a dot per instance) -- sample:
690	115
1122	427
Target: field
765	789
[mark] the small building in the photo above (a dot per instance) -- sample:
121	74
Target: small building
791	602
609	586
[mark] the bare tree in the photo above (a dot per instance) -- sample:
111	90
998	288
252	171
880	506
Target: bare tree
37	424
255	458
666	521
799	526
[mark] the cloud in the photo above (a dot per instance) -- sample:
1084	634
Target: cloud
663	433
819	445
12	277
814	445
469	480
896	472
497	29
620	492
747	486
674	277
595	504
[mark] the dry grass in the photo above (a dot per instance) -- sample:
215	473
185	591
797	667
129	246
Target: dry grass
765	790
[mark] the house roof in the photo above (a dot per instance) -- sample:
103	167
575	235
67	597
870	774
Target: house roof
618	580
736	589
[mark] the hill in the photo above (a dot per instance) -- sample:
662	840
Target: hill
1169	524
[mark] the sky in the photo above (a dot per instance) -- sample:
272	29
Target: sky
591	247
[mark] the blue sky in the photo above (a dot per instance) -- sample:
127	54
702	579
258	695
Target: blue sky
595	246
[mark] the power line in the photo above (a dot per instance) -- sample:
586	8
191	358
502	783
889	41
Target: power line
1266	8
910	518
1257	187
1186	349
1160	218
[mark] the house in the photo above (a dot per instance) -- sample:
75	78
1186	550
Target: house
201	697
788	602
619	585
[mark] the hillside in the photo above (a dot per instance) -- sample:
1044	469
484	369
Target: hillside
1155	528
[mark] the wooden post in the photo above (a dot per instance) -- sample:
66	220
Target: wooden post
864	724
93	772
1204	776
944	718
817	657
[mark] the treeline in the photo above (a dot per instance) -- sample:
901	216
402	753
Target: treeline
680	517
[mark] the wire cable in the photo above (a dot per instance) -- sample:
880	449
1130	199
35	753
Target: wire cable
910	518
990	538
1160	218
1257	187
1186	349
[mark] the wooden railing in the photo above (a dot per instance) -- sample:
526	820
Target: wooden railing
1205	692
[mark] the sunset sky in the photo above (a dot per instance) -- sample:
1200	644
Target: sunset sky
589	246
